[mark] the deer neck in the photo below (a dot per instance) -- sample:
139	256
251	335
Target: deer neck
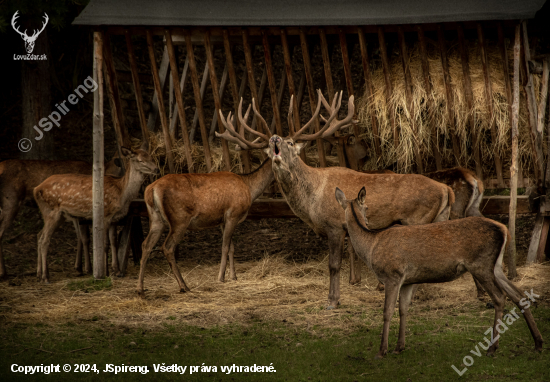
361	237
259	179
296	179
130	184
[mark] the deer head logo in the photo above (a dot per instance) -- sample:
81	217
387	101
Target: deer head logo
29	40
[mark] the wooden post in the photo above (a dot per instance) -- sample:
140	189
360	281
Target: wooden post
98	231
204	82
179	101
160	102
369	88
312	94
245	159
163	75
290	80
250	72
271	82
216	94
198	100
489	100
223	85
408	94
430	100
174	110
514	167
448	93
467	86
389	89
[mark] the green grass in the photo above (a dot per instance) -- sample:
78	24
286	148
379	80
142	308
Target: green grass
297	353
90	284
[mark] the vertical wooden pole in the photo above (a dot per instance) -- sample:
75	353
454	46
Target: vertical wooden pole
290	80
160	102
174	110
245	159
216	94
280	93
349	80
250	71
204	82
369	88
98	231
311	93
430	100
163	75
409	97
198	100
514	167
223	85
469	95
271	83
179	101
389	89
489	100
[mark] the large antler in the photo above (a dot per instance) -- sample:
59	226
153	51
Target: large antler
231	134
15	16
36	33
331	124
24	34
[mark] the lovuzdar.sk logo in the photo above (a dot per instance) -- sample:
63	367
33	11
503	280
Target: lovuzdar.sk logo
29	40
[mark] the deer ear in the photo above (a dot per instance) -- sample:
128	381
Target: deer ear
126	152
361	196
341	198
267	150
117	162
300	146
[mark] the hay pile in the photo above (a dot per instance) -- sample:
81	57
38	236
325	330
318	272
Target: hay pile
420	118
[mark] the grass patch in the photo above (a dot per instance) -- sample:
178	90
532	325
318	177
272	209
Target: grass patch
90	285
296	351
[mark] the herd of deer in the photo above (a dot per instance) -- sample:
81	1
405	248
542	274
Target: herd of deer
398	224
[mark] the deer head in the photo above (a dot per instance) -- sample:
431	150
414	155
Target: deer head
140	160
29	40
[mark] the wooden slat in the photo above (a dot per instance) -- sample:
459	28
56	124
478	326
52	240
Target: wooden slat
137	87
290	80
179	101
163	75
347	74
272	85
448	93
312	94
223	85
469	95
430	100
250	72
489	97
369	88
198	100
389	89
245	158
183	82
160	102
409	97
196	117
216	94
280	93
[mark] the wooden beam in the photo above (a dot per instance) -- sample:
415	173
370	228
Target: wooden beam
204	82
369	88
489	98
245	158
409	97
216	94
160	102
389	89
98	233
174	111
250	72
179	101
223	86
469	95
272	84
163	75
290	81
198	100
430	99
312	94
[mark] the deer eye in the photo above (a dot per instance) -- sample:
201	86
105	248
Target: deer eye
291	144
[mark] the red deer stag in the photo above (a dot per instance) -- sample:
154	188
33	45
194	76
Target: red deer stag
18	178
407	199
403	257
200	201
70	196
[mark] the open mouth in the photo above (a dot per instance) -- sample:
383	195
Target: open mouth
276	151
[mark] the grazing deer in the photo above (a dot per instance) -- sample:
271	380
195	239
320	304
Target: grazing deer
405	199
18	178
70	196
403	257
199	201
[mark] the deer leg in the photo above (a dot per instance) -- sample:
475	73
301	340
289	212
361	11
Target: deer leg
391	292
52	221
480	290
227	246
354	266
443	216
114	247
85	237
172	240
405	296
155	231
336	246
78	261
7	216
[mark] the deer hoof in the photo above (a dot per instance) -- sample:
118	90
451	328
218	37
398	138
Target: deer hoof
120	274
182	290
379	356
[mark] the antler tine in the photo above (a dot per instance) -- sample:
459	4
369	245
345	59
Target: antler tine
231	134
344	122
289	118
262	120
313	118
243	121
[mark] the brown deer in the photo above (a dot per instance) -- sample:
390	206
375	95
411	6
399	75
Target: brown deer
18	178
404	256
200	201
406	199
70	196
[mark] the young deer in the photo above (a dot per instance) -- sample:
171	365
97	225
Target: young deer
200	201
18	178
404	256
70	196
408	199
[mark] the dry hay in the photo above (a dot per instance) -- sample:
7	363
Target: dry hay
419	117
270	289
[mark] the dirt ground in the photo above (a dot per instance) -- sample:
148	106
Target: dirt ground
282	270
